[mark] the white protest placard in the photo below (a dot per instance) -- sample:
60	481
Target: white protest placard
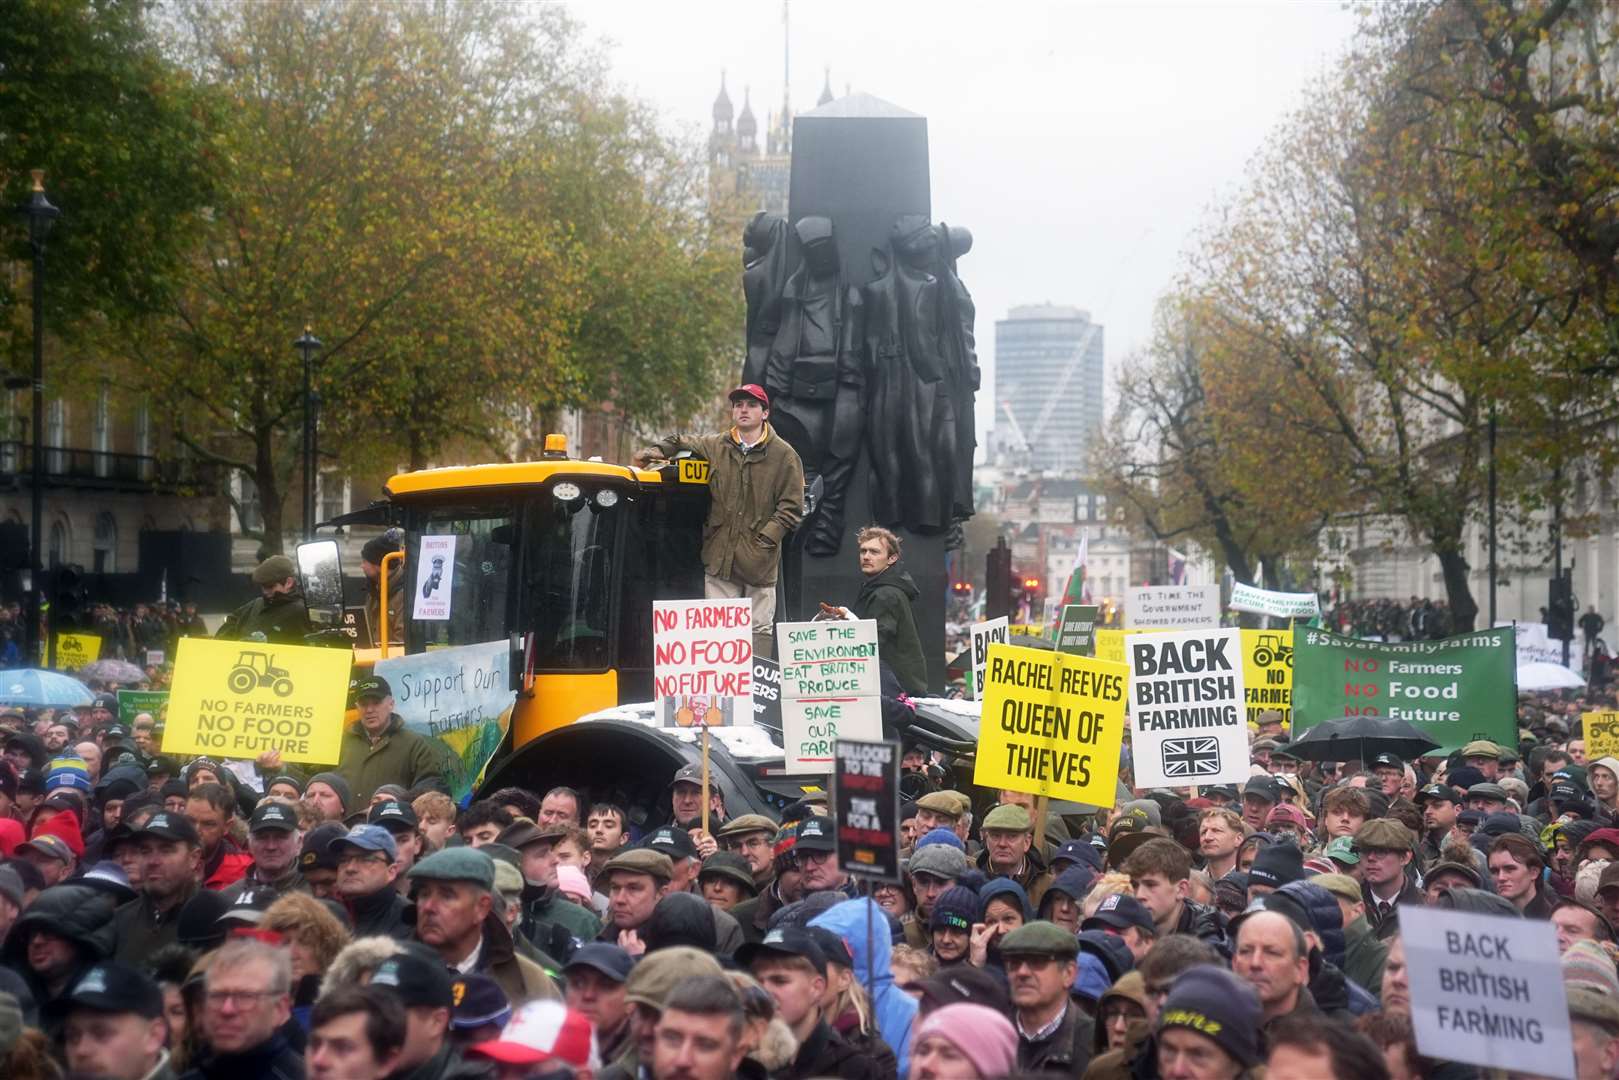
1172	607
702	661
1282	605
435	578
1535	646
984	634
830	689
1487	990
461	698
1188	721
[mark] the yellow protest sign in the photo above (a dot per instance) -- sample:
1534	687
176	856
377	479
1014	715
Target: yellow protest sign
1601	734
1052	724
1267	672
237	699
1110	642
73	651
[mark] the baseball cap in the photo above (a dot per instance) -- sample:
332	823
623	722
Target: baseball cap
170	826
783	941
1342	850
417	981
249	906
543	1031
673	842
1289	813
317	851
1387	761
393	815
479	1001
49	845
270	815
752	390
112	988
1264	787
372	686
817	834
367	838
1120	911
1439	791
611	960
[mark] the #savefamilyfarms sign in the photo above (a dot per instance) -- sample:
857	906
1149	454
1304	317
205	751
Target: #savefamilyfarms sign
1453	690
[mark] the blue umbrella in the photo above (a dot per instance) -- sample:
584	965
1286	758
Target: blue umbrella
42	689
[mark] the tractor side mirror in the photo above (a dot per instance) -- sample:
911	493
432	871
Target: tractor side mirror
321	573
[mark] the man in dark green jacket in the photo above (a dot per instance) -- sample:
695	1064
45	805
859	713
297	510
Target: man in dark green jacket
756	497
278	615
887	596
379	750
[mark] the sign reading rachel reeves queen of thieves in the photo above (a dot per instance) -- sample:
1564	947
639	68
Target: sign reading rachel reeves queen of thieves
865	794
1187	716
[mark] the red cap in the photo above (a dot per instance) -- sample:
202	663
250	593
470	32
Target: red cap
752	390
540	1031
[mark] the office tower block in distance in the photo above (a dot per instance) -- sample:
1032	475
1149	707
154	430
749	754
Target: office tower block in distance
1048	388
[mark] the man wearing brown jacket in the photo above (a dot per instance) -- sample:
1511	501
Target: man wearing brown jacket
756	497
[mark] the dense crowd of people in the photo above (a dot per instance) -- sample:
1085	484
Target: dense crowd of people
126	633
229	919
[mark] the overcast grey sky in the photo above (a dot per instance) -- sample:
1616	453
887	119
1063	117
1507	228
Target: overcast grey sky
1082	143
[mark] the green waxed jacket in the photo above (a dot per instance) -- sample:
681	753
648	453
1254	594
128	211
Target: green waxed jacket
756	499
887	598
400	757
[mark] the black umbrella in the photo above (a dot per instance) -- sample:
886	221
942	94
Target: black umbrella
1360	738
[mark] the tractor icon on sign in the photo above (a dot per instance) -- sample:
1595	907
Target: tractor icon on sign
256	669
1271	649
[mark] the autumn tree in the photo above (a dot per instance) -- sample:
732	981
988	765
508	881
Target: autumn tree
457	203
87	96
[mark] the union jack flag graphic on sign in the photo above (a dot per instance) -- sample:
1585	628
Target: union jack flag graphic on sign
1198	756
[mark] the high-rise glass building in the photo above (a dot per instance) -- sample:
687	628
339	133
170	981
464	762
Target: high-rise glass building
1048	387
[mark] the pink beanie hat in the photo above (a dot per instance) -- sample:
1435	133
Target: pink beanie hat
984	1035
571	881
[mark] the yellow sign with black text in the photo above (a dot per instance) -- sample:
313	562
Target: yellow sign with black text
1601	734
1267	672
1052	724
237	699
73	651
693	470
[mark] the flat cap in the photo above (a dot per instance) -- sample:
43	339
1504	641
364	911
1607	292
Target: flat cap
1040	938
661	970
1489	791
1340	885
641	861
1384	834
940	861
1009	817
456	864
940	802
274	570
747	823
523	832
732	867
1481	748
1448	866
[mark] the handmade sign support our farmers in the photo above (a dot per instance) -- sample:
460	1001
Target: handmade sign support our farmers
702	667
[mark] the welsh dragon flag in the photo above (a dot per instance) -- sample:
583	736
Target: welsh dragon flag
1076	593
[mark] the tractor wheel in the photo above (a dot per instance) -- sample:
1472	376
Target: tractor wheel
283	687
242	680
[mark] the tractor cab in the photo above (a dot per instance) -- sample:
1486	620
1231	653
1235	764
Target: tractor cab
560	558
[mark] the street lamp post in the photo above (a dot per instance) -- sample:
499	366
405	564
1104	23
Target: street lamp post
40	216
307	346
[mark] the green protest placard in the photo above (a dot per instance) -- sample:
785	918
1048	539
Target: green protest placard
1076	633
1454	690
131	703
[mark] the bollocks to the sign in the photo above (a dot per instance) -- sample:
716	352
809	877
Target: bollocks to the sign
1052	724
865	796
1187	715
237	699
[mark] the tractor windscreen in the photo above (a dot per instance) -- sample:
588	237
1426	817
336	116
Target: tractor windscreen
571	549
457	585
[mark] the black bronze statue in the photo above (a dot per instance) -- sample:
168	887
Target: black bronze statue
889	367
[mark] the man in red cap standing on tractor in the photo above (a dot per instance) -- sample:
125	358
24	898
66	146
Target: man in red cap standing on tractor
756	497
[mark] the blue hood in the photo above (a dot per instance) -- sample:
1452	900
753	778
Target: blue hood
895	1009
